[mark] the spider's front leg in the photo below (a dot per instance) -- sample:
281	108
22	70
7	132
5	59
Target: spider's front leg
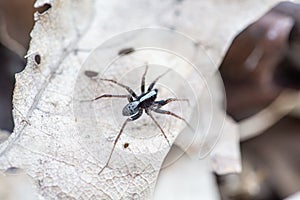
115	142
131	118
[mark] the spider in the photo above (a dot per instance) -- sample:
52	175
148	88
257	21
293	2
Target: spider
146	101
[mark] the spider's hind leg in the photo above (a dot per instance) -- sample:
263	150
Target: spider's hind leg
157	124
154	82
143	80
164	102
129	97
131	92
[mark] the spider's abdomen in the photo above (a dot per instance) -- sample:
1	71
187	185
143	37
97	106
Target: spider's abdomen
131	108
148	98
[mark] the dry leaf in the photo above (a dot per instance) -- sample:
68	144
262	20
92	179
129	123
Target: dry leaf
197	181
295	196
46	142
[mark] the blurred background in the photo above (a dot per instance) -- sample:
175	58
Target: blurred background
258	66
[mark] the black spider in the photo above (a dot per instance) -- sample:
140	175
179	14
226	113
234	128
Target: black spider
137	104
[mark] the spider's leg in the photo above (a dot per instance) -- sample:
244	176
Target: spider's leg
132	118
164	102
115	142
131	92
143	80
153	83
157	124
129	97
166	112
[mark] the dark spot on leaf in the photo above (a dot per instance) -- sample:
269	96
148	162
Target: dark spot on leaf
40	182
90	74
177	12
44	8
172	28
126	145
126	51
12	170
37	59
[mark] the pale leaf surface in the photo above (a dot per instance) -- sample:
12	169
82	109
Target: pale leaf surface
46	143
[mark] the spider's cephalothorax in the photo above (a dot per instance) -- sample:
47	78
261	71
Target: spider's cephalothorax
143	101
146	101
